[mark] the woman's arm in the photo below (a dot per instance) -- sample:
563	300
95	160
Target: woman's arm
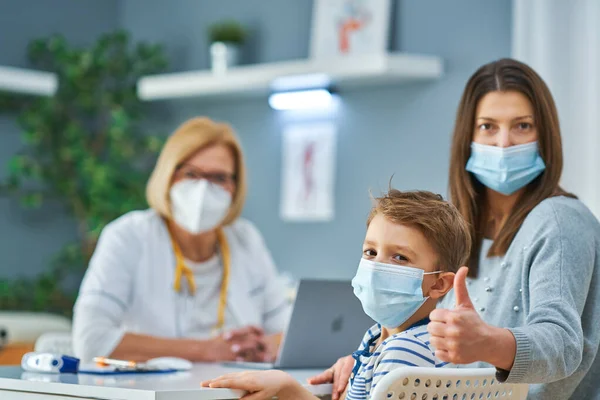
549	347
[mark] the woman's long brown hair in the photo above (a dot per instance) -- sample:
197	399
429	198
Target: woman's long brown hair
466	192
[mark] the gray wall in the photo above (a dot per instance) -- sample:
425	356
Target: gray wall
29	238
403	130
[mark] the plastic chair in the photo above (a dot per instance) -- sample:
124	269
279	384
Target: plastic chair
414	383
55	342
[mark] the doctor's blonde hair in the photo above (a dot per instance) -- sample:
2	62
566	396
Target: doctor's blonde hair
191	136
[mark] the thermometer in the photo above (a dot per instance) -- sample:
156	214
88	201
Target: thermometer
49	363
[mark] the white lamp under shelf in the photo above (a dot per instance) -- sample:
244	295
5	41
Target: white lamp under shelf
26	81
309	99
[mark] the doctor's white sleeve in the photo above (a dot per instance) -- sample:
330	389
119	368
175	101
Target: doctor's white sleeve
105	292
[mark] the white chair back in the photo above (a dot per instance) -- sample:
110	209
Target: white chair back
26	327
414	383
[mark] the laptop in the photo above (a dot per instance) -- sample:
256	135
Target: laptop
327	323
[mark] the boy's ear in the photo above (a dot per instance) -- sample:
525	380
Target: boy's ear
442	285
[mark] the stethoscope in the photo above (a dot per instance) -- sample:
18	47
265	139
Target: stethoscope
182	270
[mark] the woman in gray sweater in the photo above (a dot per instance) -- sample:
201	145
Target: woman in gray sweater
531	306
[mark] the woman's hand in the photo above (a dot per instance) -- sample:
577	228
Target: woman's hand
338	375
460	336
261	385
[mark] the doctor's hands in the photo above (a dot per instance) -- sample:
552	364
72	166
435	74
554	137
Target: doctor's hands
460	336
244	344
338	375
251	344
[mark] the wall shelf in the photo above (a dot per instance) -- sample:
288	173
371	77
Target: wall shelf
343	73
27	81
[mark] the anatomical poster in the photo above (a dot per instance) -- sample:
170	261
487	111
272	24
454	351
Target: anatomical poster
308	172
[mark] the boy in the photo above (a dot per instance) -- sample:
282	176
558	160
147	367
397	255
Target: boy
414	245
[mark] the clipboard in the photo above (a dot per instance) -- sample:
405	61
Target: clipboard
93	369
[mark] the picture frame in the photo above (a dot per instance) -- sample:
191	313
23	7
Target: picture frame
350	27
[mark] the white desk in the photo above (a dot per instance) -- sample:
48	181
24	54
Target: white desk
18	385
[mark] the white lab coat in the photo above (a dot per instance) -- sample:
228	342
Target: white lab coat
128	287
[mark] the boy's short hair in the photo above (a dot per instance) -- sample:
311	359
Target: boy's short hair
438	220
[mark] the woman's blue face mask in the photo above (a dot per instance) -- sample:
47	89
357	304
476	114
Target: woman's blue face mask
505	169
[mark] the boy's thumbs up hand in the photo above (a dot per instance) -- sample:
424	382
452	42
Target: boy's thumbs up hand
459	335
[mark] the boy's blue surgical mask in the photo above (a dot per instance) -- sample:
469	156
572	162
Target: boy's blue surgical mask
505	169
390	294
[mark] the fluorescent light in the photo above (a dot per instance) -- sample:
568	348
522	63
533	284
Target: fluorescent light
300	82
28	81
302	100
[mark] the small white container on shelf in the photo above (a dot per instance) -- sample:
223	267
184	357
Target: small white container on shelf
223	56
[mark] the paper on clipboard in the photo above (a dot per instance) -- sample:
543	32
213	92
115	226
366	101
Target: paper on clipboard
94	369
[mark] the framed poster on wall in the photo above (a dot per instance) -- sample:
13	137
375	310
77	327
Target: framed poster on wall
308	175
349	27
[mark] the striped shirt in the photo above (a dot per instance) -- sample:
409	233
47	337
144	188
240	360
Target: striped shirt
373	362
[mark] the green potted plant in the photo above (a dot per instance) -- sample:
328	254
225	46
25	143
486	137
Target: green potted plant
226	39
84	147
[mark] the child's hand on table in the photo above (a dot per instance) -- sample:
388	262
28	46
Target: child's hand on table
261	385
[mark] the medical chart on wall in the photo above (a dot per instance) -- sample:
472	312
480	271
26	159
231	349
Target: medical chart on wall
349	27
308	172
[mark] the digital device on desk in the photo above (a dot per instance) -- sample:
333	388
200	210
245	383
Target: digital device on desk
49	363
327	323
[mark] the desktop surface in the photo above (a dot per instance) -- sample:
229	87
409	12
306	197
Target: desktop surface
176	386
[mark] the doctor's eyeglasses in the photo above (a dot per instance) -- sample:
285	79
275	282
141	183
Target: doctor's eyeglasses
224	179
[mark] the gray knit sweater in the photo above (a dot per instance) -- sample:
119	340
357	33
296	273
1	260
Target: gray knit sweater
546	290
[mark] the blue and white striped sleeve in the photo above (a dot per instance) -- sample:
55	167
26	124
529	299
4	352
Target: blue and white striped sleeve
401	351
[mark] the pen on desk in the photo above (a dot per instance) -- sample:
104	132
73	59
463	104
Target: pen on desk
104	361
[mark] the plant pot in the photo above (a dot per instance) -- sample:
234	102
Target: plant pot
223	56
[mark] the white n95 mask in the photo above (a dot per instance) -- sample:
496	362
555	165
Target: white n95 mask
198	205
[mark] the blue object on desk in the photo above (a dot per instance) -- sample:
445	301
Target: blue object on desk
49	363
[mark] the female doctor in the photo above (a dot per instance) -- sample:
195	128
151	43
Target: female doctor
187	277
